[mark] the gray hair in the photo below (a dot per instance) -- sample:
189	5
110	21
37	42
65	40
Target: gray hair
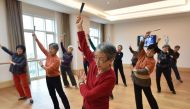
54	45
108	49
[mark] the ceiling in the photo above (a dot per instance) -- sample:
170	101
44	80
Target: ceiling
110	11
105	5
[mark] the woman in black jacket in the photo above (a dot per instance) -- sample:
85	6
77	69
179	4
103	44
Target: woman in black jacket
18	66
163	66
118	65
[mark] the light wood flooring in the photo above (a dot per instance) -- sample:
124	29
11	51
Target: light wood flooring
123	96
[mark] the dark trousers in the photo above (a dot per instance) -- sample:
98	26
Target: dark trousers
167	75
148	93
54	83
64	72
119	66
85	64
175	69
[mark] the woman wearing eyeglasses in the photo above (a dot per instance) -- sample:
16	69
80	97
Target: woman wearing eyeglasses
100	81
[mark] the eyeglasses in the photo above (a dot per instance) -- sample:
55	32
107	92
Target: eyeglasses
100	59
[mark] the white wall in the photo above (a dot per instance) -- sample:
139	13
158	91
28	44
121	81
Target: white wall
77	55
5	75
177	28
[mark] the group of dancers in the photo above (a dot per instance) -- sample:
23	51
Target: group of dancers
98	80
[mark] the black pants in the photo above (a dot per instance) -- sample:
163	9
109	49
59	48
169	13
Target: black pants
148	93
54	83
85	64
119	66
175	69
167	75
64	72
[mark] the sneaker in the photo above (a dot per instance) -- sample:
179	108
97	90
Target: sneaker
22	98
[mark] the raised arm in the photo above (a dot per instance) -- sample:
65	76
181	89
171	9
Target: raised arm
62	46
91	43
131	50
39	44
82	40
6	50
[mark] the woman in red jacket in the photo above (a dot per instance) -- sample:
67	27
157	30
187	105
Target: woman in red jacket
100	81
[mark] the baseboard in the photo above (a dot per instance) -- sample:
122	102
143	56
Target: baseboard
183	69
6	84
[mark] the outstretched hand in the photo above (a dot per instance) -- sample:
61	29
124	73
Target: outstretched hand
62	38
158	40
147	34
34	35
79	23
81	76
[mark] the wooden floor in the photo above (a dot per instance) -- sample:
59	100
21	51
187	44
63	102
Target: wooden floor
123	96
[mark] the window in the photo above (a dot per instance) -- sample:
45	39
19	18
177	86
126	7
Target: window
95	33
45	31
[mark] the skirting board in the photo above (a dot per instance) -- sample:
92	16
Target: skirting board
6	84
10	82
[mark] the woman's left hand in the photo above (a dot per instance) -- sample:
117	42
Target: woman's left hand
81	76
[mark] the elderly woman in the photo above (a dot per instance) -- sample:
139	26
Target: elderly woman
66	65
53	74
100	81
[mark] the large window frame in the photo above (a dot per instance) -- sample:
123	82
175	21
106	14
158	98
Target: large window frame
35	70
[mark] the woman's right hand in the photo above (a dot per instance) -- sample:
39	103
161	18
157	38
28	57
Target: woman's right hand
34	36
79	22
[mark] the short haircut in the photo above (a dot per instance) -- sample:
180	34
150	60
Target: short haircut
177	46
153	47
21	47
70	46
54	46
108	49
121	46
165	46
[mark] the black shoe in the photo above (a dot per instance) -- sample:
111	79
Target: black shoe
111	97
180	81
76	86
31	101
22	98
174	92
125	85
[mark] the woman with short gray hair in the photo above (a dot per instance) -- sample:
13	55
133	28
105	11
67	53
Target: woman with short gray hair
100	81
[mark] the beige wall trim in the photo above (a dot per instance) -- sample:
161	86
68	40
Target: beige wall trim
6	84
